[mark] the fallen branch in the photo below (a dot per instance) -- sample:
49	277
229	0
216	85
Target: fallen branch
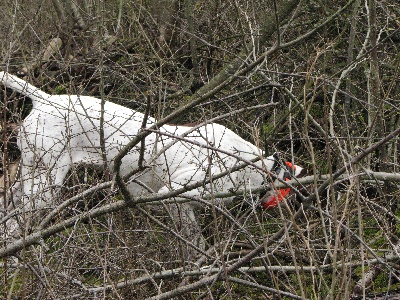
153	199
52	48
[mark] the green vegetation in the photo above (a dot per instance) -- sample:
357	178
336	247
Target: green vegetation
331	80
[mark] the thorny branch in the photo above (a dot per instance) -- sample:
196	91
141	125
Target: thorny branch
244	60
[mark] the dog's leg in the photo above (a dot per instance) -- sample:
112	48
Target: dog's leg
30	194
12	200
186	224
14	196
183	213
37	188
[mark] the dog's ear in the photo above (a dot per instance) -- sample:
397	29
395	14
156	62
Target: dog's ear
276	156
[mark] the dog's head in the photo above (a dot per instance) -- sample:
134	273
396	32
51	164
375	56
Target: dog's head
284	171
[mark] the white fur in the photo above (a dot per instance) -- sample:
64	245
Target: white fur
63	130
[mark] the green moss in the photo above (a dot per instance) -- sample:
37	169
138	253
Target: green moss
268	129
60	89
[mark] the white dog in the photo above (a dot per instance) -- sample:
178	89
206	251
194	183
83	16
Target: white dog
64	130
